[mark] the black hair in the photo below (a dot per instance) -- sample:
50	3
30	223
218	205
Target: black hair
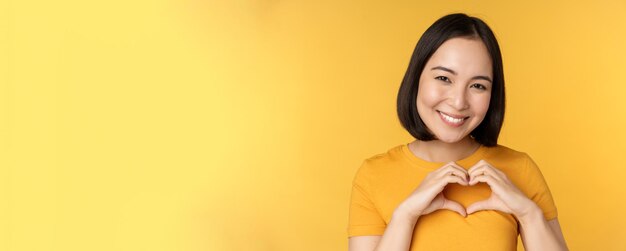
447	27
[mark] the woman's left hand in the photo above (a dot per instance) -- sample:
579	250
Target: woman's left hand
505	196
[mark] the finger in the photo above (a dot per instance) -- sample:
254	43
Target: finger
455	165
484	170
455	179
452	169
497	170
483	163
446	170
490	180
457	173
477	165
452	164
479	206
480	163
454	206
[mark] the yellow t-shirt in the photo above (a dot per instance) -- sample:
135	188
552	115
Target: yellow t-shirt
385	180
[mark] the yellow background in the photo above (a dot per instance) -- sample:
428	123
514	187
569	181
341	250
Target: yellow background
239	125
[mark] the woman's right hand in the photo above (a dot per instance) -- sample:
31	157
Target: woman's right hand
428	196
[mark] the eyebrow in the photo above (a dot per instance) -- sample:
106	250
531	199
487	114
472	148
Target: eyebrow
454	73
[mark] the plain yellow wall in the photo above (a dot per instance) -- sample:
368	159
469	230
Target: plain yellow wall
239	125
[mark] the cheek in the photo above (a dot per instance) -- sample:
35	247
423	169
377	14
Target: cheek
428	95
481	104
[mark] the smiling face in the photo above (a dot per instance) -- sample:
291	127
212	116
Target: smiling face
455	89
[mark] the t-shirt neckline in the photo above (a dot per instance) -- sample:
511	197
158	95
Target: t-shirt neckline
465	162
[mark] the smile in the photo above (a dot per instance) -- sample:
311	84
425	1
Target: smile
452	121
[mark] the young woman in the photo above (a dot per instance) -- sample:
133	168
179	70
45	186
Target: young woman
454	187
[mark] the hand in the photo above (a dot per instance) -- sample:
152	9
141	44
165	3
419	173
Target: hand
505	196
428	196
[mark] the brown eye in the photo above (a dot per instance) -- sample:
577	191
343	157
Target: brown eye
479	86
442	78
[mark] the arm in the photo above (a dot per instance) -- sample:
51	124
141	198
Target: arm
427	198
398	233
397	236
363	243
539	234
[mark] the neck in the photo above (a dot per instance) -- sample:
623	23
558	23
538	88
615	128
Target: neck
439	151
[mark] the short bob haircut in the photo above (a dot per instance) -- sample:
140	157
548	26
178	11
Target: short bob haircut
447	27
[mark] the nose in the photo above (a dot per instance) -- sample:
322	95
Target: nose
458	98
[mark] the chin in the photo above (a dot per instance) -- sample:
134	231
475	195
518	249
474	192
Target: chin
450	140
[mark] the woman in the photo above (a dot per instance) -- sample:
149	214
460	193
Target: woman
454	187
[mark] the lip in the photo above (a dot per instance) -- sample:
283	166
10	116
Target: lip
453	116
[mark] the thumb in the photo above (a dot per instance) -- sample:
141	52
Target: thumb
479	206
454	206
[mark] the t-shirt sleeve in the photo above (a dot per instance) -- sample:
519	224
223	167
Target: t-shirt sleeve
538	190
364	218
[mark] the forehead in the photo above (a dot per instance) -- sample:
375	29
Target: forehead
466	56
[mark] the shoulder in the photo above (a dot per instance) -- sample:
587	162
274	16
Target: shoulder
511	161
517	164
504	153
381	161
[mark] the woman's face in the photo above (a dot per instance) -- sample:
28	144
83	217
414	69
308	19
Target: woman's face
455	89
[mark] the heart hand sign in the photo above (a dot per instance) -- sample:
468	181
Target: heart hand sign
505	196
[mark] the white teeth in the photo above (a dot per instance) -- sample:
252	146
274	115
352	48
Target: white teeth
451	119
